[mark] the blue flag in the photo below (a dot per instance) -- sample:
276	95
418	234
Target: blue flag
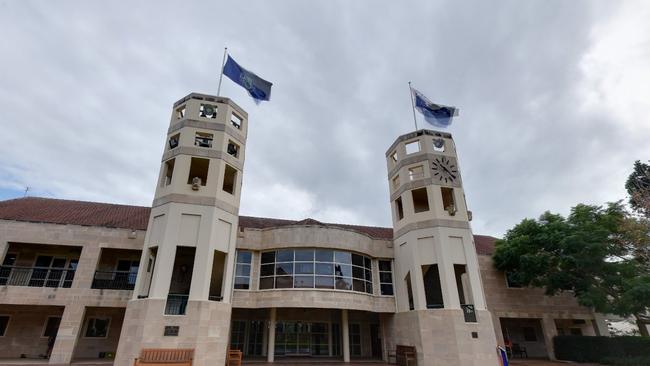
436	114
257	87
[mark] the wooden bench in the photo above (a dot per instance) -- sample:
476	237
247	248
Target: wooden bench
234	357
164	357
406	355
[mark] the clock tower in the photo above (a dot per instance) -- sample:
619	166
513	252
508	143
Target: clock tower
441	307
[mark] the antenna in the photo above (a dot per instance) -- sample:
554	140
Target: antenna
26	190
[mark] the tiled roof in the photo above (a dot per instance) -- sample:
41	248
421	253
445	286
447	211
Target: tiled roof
56	211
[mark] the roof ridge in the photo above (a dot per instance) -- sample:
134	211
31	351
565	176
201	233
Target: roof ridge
71	200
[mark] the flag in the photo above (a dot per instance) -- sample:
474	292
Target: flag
436	114
257	87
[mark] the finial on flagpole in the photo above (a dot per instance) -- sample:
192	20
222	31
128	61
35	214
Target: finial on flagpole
415	121
223	62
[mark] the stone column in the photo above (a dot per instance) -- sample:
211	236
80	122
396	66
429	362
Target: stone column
83	276
270	353
550	330
600	325
345	334
69	330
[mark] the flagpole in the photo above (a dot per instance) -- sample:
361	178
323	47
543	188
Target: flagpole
223	63
413	106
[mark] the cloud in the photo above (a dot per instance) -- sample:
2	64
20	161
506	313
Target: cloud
552	97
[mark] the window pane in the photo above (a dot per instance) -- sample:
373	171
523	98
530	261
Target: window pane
343	270
384	266
343	283
283	269
358	285
324	269
368	275
357	272
367	262
243	270
285	255
241	283
268	257
267	270
343	257
357	260
304	268
368	287
97	327
244	257
266	283
284	282
324	256
385	277
386	289
304	282
306	255
324	282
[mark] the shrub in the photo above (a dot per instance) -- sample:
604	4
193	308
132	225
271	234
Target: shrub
619	351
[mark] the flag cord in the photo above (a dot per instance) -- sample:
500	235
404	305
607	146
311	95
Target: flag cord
223	62
413	106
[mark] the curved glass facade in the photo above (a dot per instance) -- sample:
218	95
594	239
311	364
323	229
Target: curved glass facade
315	268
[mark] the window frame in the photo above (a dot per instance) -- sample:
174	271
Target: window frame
392	277
108	326
250	270
47	321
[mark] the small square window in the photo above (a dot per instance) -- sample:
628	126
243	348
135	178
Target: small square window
97	327
229	179
173	141
169	173
198	169
233	149
420	200
236	121
448	202
399	208
180	112
208	111
439	145
393	157
417	172
412	147
202	139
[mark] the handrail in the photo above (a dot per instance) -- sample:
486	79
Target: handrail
114	280
36	276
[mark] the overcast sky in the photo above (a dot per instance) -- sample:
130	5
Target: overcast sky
554	98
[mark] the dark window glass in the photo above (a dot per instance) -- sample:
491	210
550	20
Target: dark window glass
4	321
343	257
369	287
304	255
242	283
384	266
324	256
304	268
386	289
357	260
267	270
343	270
368	275
268	257
324	269
324	282
367	262
52	327
283	269
304	282
358	285
97	327
244	257
284	282
343	283
357	272
266	283
385	277
285	255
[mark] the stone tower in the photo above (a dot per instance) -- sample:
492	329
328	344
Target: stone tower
441	307
182	297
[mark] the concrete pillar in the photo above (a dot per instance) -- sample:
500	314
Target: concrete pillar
270	353
550	331
600	325
66	338
3	250
83	276
345	334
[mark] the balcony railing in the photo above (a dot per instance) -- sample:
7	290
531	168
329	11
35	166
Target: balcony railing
114	280
176	304
36	276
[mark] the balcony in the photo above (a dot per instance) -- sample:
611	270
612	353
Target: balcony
114	280
36	276
176	304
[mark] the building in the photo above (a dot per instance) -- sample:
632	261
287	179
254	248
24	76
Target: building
83	280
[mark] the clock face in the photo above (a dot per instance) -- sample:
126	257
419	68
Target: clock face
444	170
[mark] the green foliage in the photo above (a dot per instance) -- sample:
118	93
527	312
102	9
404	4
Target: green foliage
588	253
638	187
623	351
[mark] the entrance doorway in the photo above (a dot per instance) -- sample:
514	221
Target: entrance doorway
375	341
295	338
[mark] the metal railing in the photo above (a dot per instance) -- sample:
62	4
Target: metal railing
469	312
114	280
176	304
36	276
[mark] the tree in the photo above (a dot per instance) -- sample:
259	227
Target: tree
596	252
638	187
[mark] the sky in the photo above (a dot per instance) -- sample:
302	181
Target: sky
553	96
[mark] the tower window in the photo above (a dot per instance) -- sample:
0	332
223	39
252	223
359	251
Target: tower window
199	169
180	112
412	147
236	121
448	203
385	277
432	287
208	111
395	182
233	149
460	272
173	141
416	172
420	200
229	179
399	208
438	145
202	139
409	291
393	157
169	172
